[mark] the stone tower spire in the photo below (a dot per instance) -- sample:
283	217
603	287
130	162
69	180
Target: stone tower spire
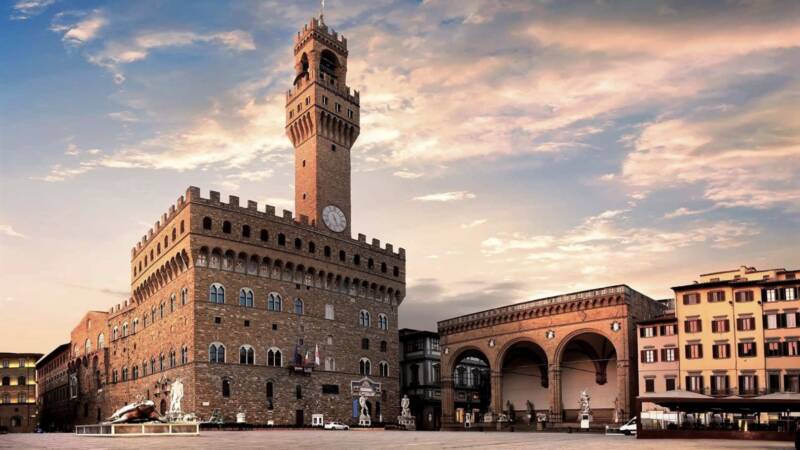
322	121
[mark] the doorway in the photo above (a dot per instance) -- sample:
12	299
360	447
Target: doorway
299	419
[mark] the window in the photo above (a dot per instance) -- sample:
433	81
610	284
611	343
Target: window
719	384
281	239
298	306
668	330
171	304
792	348
773	348
206	223
349	113
720	326
270	395
273	302
364	344
264	235
649	356
216	354
226	227
101	341
246	297
298	244
327	251
396	271
124	374
184	355
649	385
274	358
184	296
312	247
383	369
161	362
329	312
330	364
114	377
744	296
246	355
721	351
747	349
363	318
298	392
745	324
182	228
791	383
246	231
333	147
694	351
771	321
694	383
124	334
789	294
324	100
364	367
670	382
383	346
790	319
342	255
383	322
357	260
153	367
216	294
693	326
771	295
691	299
330	388
748	384
647	331
774	382
226	387
135	372
716	296
337	107
161	310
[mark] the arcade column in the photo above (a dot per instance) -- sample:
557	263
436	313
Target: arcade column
555	394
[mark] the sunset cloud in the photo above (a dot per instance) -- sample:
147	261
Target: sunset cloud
446	196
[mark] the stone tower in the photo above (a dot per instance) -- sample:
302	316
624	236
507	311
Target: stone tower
322	121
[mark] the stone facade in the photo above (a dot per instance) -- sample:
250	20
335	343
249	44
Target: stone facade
18	412
546	351
238	301
52	375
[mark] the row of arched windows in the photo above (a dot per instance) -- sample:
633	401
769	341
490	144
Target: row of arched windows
298	274
22	397
163	362
157	250
227	228
156	313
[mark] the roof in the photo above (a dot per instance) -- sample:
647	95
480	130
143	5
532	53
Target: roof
53	353
658	319
409	332
694	402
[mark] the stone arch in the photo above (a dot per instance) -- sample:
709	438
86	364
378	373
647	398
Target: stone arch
525	376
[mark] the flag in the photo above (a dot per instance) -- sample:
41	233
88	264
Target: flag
316	355
305	362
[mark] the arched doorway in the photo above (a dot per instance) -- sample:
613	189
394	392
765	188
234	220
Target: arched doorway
589	362
525	379
472	387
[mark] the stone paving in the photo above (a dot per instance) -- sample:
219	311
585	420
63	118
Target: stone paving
328	440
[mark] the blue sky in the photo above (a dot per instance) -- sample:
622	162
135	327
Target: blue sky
515	149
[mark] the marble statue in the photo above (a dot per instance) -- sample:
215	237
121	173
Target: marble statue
584	402
363	419
140	411
176	395
405	405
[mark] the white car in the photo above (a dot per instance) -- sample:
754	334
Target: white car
336	426
629	428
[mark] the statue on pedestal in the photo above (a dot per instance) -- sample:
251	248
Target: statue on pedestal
405	406
364	419
176	395
140	411
406	419
585	414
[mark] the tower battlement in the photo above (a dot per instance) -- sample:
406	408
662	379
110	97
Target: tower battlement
316	29
305	81
269	212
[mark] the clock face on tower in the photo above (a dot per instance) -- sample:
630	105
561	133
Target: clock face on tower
334	218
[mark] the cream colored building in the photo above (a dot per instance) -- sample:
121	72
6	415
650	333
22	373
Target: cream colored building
722	319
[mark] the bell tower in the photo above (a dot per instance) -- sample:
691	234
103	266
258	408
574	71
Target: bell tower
322	121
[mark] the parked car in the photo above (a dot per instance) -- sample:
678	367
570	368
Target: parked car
336	426
629	428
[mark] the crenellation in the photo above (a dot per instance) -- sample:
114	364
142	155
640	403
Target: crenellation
233	200
251	205
213	196
270	210
376	243
287	214
362	237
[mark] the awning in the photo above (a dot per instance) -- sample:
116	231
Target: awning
694	402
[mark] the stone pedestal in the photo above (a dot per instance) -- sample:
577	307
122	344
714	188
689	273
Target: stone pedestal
364	421
407	422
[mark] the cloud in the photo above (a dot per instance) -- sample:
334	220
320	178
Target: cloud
9	231
72	150
25	9
683	212
77	33
123	116
446	196
60	173
117	53
748	157
233	181
407	174
473	224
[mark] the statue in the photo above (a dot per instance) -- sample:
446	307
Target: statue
616	410
584	402
139	411
530	409
176	395
511	413
405	404
363	419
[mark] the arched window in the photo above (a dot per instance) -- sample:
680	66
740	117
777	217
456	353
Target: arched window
396	271
274	357
87	346
125	329
153	315
330	364
383	267
114	335
383	369
281	239
101	341
216	293
216	353
184	296
312	247
182	227
153	367
383	322
246	297
364	366
135	372
274	302
247	355
298	244
226	227
184	355
202	257
298	306
173	360
364	344
135	326
264	235
342	255
144	368
161	362
370	263
206	223
270	395
124	374
6	381
114	376
21	381
174	234
384	345
363	318
246	231
161	310
357	260
226	387
172	303
298	392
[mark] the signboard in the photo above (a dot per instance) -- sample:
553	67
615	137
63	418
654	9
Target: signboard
365	387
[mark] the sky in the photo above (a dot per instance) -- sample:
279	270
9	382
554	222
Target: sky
515	149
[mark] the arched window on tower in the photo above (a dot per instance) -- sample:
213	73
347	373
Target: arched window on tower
206	223
247	355
246	231
226	387
298	306
364	366
226	227
264	235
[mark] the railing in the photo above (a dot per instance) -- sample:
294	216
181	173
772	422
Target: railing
619	289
